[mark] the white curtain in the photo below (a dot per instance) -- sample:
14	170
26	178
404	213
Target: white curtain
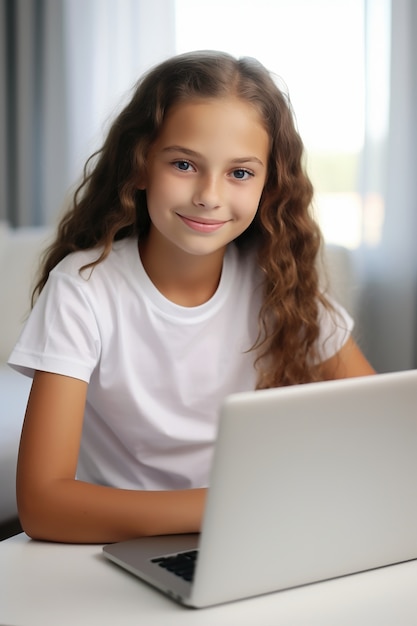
388	272
108	45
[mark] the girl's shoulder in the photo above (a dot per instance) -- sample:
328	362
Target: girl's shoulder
80	265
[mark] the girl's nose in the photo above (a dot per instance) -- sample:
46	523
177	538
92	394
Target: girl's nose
207	193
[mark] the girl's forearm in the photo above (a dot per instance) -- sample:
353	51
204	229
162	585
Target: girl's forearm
72	511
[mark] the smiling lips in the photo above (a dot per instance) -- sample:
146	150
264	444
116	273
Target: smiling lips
201	225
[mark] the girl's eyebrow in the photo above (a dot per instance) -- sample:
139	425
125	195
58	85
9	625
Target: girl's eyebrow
193	153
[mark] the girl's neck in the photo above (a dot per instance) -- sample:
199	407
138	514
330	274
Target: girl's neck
187	280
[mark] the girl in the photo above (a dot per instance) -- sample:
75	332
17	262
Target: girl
185	271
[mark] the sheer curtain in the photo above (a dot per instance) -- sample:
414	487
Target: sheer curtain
108	45
64	67
388	271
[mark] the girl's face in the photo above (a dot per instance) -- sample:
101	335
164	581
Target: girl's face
205	175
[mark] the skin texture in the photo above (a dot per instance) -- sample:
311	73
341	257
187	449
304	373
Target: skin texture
204	179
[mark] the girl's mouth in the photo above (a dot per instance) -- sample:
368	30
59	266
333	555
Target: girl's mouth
201	225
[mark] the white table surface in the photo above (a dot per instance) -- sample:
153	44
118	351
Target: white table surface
58	585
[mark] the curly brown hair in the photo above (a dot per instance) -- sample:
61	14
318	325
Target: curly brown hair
108	205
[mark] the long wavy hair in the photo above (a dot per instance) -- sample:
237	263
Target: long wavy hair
108	205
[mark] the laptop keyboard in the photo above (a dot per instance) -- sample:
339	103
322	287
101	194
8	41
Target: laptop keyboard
182	564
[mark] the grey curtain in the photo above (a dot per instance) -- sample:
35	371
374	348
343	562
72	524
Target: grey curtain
33	131
388	273
61	63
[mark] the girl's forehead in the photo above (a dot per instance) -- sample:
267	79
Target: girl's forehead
223	126
231	119
215	106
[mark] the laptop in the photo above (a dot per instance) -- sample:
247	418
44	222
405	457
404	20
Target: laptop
308	483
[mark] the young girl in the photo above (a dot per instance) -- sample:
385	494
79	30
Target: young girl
185	271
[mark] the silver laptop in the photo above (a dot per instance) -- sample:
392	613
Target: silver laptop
308	483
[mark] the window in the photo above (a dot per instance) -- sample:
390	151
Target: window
333	57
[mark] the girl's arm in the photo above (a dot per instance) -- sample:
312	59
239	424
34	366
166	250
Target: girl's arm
54	506
347	363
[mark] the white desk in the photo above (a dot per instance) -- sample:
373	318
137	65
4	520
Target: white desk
67	585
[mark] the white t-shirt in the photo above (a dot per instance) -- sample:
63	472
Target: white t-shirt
157	371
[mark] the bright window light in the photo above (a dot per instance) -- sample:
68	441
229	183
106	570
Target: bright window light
317	47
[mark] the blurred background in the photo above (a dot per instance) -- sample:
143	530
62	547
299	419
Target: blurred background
68	66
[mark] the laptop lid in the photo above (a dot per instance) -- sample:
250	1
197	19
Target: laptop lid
308	483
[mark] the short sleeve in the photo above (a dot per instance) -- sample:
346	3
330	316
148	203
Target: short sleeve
336	326
61	334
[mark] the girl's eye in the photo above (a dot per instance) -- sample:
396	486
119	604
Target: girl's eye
241	174
184	166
